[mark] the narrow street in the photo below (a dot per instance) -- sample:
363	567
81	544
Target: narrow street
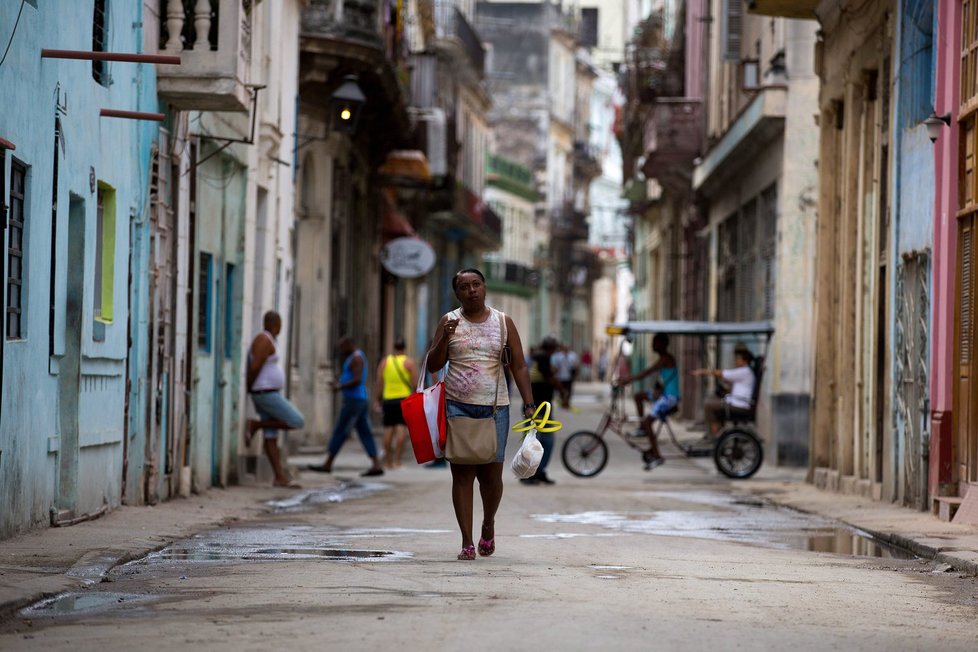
674	559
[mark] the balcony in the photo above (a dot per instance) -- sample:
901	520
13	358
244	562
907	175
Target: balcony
351	37
783	8
213	39
453	28
511	278
344	20
462	215
673	138
587	163
568	224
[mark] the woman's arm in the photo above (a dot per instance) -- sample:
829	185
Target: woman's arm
412	370
379	385
521	375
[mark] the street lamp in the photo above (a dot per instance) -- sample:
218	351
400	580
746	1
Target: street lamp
345	105
935	123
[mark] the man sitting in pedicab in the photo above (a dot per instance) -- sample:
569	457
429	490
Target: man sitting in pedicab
738	403
664	396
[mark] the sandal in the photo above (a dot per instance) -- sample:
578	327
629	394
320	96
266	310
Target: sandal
467	554
486	548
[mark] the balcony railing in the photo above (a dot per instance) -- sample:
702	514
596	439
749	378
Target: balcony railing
451	24
587	163
506	272
569	224
673	137
213	39
344	19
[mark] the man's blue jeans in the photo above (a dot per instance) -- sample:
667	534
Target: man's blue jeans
353	413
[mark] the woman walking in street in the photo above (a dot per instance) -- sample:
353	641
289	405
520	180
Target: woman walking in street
471	339
396	377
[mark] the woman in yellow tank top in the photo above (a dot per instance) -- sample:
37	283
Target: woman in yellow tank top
397	376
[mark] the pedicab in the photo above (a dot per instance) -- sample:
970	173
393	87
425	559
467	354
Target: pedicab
737	450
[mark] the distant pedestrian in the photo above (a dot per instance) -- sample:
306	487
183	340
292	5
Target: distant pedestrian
543	383
603	364
587	368
353	410
566	366
397	376
265	382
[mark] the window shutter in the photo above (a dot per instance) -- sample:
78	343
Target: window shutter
731	29
967	293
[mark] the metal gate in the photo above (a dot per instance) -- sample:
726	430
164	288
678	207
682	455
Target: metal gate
912	390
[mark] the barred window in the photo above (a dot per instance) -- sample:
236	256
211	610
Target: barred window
99	41
16	223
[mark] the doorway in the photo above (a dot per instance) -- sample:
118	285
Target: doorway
69	368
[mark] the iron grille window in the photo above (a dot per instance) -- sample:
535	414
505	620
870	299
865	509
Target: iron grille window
589	27
99	40
15	251
205	276
228	309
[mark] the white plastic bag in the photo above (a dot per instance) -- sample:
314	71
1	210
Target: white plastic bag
528	457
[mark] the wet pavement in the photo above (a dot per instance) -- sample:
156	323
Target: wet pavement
730	517
680	557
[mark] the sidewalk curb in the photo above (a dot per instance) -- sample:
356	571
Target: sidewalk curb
92	568
907	543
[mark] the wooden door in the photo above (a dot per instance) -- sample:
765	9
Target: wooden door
965	385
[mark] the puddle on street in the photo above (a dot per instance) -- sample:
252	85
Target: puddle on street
724	517
273	542
311	498
68	604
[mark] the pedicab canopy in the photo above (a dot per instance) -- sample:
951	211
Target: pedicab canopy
702	328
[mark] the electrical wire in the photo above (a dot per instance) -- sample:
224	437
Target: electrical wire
13	33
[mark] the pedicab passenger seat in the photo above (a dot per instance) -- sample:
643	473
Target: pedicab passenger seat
739	416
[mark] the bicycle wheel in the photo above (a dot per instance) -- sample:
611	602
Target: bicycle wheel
738	454
584	454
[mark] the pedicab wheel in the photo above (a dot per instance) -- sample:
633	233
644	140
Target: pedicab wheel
584	454
738	454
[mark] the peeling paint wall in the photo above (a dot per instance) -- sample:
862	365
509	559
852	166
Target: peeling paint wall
58	451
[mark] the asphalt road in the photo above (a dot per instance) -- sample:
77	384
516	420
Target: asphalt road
674	559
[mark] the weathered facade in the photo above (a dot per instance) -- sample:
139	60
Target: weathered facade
511	275
953	446
757	184
338	289
539	121
72	188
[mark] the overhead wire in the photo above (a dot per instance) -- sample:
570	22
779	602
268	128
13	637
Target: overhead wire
14	32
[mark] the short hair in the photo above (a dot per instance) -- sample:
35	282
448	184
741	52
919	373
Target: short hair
661	337
469	270
271	317
399	344
745	353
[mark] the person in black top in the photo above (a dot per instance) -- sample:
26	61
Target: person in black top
543	384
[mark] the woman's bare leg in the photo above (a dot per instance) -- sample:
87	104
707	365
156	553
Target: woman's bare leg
463	475
491	488
388	446
400	436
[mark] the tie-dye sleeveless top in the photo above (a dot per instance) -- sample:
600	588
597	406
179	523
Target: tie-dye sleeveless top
474	369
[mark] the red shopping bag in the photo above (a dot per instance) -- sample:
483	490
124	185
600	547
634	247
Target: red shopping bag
424	413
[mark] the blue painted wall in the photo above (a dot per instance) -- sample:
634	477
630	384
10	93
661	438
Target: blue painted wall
912	197
38	421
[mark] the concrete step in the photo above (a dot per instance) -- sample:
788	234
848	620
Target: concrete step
947	506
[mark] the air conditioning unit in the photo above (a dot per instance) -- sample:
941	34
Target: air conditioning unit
436	140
